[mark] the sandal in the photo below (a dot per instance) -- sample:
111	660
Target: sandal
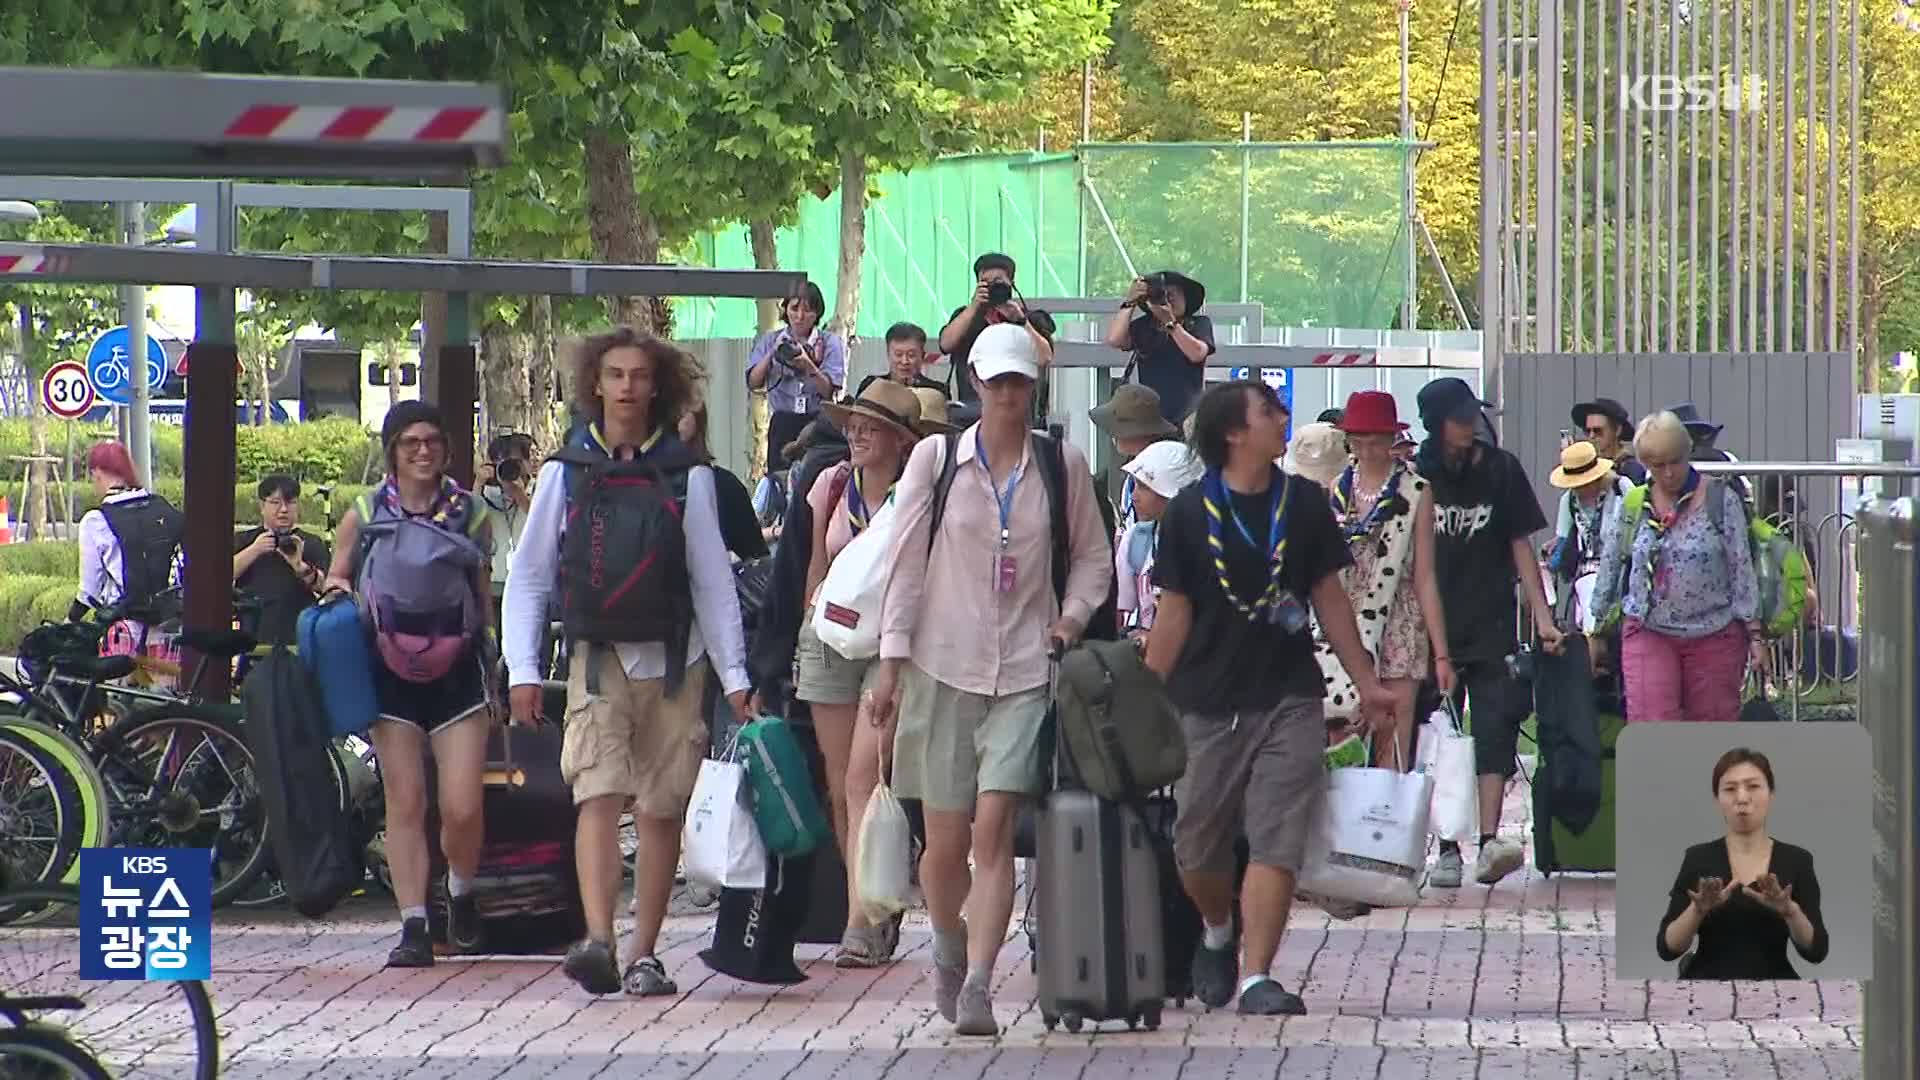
862	947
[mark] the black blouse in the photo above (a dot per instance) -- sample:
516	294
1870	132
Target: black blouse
1742	939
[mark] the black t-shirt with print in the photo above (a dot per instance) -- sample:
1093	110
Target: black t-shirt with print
1478	512
1231	663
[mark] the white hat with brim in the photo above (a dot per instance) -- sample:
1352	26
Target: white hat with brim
1004	349
1318	452
1166	467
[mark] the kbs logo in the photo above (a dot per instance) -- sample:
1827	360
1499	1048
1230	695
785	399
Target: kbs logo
1692	93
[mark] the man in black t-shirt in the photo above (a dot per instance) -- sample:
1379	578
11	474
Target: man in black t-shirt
1484	518
1160	323
994	301
1237	653
278	563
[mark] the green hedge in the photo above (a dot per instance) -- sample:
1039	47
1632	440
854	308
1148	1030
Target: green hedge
246	502
27	600
333	450
57	558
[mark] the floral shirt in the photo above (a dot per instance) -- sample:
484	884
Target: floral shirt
1687	580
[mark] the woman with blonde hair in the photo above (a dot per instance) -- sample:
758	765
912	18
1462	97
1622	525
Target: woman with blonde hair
1678	577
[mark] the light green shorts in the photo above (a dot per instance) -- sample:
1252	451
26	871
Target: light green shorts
826	677
951	745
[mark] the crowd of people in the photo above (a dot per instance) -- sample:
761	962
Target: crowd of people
1290	587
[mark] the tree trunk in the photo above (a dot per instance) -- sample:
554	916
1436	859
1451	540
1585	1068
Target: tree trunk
1867	349
504	382
263	390
36	508
766	256
544	377
433	317
853	242
621	233
389	354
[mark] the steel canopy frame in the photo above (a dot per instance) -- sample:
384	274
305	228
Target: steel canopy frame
189	124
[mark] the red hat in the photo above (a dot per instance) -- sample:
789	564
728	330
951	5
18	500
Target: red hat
1371	412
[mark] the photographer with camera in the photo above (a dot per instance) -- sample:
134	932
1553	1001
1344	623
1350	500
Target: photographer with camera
799	365
1160	323
994	301
280	564
506	486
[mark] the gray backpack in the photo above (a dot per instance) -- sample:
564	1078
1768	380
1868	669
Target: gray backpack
415	583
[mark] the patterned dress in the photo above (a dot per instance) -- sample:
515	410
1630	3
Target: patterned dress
1380	586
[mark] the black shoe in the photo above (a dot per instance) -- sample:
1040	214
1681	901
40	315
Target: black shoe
463	924
1268	998
416	946
590	963
1215	971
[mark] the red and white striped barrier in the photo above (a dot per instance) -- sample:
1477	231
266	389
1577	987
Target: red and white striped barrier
368	123
1365	359
27	261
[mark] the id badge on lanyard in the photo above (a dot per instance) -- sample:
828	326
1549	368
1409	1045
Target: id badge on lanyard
1006	568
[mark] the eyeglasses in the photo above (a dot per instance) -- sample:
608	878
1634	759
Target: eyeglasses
413	444
1599	431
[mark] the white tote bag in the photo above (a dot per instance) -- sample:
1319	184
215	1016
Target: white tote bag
1368	843
846	613
1446	755
721	847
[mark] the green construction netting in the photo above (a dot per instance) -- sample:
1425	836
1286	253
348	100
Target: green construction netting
1320	226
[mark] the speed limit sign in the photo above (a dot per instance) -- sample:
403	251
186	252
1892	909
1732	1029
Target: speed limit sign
66	391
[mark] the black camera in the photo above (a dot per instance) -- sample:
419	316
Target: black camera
510	471
786	353
999	292
1156	291
286	542
1522	665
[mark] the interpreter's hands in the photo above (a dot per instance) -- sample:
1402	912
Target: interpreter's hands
1445	678
524	705
738	701
1774	896
1710	893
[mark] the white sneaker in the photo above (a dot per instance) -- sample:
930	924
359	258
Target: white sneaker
1498	858
1446	871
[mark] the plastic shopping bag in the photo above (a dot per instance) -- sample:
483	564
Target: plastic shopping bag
883	858
721	844
1446	756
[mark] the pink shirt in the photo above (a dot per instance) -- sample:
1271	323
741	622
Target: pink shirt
945	613
839	527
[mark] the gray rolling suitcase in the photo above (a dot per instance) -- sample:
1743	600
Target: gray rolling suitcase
1099	944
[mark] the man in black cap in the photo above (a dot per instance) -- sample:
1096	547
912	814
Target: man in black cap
1604	423
1160	323
1484	518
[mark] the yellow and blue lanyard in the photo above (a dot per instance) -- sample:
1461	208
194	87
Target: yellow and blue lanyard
1215	496
857	514
1343	502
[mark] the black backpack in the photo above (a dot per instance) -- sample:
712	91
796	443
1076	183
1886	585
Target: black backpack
149	530
623	553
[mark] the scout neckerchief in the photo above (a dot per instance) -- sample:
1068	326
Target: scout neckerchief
448	506
1343	503
599	442
1215	496
857	514
1660	524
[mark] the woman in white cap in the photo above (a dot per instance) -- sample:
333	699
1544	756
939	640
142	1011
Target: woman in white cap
880	426
1159	473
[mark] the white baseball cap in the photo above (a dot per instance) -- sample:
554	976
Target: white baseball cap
1004	349
1166	467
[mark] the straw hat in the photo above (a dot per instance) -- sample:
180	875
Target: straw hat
1318	452
883	400
933	413
1580	465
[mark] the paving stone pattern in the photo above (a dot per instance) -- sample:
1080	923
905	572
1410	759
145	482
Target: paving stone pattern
1514	981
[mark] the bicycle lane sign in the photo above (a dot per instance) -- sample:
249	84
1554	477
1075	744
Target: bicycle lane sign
146	914
109	371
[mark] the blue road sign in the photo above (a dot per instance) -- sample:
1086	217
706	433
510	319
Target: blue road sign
108	370
1281	379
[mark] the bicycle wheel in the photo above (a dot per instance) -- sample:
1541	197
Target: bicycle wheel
37	1053
136	1030
74	760
184	777
40	816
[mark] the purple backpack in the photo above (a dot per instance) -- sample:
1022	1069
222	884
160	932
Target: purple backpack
415	582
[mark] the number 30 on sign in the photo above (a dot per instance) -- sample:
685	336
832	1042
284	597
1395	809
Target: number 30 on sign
66	391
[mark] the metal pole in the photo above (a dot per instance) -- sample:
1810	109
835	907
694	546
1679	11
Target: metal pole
1409	304
1833	151
1789	211
1492	206
1624	112
1246	203
1579	248
1086	102
133	312
1713	201
69	484
1853	190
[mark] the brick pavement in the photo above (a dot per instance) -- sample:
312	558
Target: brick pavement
1510	982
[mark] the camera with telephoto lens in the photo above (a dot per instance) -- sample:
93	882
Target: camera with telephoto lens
786	353
510	471
1156	292
999	292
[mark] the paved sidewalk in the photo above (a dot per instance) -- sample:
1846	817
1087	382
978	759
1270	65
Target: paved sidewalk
1513	981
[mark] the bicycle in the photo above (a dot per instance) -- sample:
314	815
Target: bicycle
69	1027
177	772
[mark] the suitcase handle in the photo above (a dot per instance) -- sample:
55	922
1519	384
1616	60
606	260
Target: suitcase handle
504	774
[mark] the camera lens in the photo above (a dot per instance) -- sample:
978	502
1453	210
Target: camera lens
999	292
787	353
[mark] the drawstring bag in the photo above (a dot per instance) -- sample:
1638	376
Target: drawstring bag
884	857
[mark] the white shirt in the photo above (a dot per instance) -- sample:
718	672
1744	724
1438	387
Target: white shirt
716	606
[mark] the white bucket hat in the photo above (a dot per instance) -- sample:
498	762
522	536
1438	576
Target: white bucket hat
1318	452
1166	467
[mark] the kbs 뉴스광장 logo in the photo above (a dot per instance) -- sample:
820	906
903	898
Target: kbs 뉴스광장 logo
146	914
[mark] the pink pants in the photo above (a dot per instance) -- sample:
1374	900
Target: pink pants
1670	678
